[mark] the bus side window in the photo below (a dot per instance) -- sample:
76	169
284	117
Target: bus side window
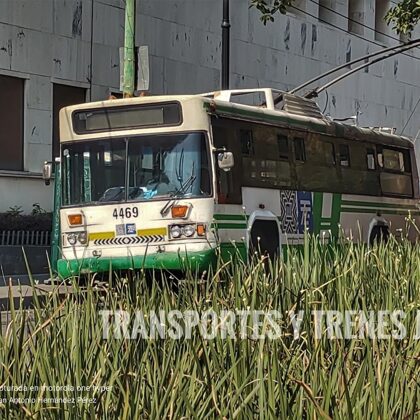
394	176
300	153
283	146
344	155
329	153
407	161
370	159
380	159
247	142
394	160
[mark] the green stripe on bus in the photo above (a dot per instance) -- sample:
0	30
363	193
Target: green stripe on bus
381	205
240	217
317	211
374	211
335	213
229	225
230	250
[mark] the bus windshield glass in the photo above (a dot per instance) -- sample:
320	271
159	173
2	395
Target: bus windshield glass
158	166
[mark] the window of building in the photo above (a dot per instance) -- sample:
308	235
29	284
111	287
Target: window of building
381	27
326	12
11	116
356	15
300	154
344	155
63	95
297	8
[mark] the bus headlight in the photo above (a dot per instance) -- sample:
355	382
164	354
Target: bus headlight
188	230
178	231
72	238
77	238
83	238
175	232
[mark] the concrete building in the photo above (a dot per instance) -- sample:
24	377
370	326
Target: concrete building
59	52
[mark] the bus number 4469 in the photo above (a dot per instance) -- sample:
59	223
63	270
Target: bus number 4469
126	213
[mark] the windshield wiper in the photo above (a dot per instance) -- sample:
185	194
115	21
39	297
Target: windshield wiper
179	192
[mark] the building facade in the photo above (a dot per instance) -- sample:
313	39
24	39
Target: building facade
55	53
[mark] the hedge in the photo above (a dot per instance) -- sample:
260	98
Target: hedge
39	222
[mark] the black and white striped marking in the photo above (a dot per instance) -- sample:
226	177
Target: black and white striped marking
129	240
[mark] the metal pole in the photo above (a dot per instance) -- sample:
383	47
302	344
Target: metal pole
92	9
225	45
129	36
55	240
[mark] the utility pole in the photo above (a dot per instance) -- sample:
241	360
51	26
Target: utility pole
129	39
225	45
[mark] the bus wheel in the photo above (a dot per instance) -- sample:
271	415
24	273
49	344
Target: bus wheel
264	240
379	234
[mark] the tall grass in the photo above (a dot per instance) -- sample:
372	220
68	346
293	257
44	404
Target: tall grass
166	378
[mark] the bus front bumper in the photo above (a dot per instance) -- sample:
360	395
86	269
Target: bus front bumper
199	261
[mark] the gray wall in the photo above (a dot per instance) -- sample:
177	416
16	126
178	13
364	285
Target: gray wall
49	41
184	37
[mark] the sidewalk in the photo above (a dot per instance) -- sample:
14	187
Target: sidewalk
22	279
25	293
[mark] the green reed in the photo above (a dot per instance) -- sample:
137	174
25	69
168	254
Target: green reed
62	343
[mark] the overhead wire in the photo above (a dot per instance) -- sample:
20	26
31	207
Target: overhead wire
411	115
345	30
356	21
390	54
360	37
366	58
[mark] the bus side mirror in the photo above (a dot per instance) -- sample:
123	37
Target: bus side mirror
225	161
47	172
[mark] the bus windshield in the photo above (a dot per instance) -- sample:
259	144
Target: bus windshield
158	166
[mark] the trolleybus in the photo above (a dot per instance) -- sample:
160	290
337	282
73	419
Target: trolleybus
175	181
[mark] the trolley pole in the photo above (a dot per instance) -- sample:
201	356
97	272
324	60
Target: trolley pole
129	40
225	45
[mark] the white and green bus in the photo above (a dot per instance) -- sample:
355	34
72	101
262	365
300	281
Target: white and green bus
174	181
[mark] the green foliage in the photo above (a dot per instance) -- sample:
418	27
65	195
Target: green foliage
32	222
15	211
37	209
38	220
404	16
269	8
61	344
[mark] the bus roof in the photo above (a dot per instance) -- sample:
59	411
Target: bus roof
291	112
298	113
129	101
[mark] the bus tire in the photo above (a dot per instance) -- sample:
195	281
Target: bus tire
379	234
264	239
